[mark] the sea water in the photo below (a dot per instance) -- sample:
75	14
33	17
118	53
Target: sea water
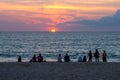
25	44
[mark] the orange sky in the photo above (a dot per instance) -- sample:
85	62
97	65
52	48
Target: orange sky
55	12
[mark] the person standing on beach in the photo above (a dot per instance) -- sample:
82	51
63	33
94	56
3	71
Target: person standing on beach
40	58
104	55
66	58
19	59
90	56
96	55
59	58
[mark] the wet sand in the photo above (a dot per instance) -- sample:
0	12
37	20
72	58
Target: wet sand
59	71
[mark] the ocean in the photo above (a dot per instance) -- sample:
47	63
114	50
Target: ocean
25	44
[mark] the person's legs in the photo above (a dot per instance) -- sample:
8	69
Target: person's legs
98	59
95	59
90	59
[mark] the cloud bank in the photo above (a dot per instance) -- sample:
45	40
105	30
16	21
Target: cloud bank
108	23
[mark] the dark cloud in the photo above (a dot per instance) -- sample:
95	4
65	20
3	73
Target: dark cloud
108	23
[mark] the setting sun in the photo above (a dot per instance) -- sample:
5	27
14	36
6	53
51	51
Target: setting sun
53	30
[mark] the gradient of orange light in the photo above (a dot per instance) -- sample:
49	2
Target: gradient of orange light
6	6
56	13
70	7
35	8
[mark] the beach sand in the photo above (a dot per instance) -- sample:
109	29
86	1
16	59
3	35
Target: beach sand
59	71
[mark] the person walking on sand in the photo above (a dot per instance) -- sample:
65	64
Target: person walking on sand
40	58
59	58
84	59
104	55
96	55
19	59
66	58
90	56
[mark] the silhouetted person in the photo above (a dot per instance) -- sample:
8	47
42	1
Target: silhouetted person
44	61
31	60
40	58
84	59
34	58
19	59
96	55
66	58
90	56
80	59
59	58
104	56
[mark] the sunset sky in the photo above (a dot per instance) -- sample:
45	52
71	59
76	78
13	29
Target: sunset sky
64	15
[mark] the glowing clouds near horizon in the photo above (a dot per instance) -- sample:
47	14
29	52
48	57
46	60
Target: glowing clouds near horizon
41	14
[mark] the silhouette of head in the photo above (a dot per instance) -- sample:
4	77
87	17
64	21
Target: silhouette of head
59	54
40	54
104	51
90	51
19	56
66	54
34	55
96	50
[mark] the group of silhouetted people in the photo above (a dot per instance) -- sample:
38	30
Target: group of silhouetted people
96	56
84	59
66	58
39	58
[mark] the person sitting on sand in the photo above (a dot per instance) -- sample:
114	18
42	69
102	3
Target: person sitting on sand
30	60
44	61
59	58
19	59
40	58
90	56
96	55
34	58
79	59
84	59
66	58
104	55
